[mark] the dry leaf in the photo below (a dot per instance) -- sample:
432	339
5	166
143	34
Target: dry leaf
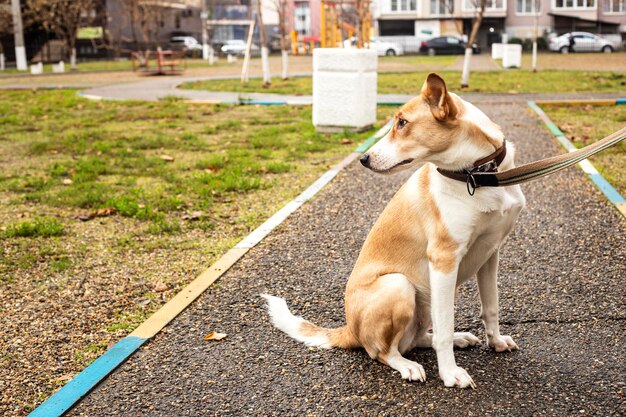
67	181
103	212
346	141
215	336
194	215
161	287
167	158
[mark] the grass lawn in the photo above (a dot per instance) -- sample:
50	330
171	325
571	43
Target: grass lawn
511	81
109	208
113	65
585	124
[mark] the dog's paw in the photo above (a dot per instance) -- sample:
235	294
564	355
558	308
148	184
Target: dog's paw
465	339
457	377
502	343
412	371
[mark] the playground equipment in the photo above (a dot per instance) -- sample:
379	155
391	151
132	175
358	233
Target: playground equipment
159	62
333	26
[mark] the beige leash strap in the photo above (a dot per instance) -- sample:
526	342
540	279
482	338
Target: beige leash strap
537	169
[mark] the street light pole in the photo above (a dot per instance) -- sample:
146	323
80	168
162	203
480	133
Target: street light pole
18	31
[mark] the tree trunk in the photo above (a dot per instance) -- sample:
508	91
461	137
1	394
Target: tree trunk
284	48
265	53
478	18
285	64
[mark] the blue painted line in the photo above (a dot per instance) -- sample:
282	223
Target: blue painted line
620	101
611	193
603	185
65	398
81	384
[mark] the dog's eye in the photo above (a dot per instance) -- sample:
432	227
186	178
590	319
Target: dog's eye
401	123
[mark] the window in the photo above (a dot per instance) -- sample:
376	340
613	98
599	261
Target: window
403	5
527	6
491	5
574	4
441	7
302	19
614	6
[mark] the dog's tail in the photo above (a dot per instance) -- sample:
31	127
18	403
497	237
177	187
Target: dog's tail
305	331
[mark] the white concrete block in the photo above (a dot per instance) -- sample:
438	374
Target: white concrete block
58	68
344	88
512	56
496	50
36	69
344	59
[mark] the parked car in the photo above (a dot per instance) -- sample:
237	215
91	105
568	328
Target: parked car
238	47
579	42
189	44
381	47
384	48
446	45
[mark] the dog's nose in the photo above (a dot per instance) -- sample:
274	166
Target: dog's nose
365	160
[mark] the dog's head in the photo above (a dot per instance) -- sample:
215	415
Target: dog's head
437	127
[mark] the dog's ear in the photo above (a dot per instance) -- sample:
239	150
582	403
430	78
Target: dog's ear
436	94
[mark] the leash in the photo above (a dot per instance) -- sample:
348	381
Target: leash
484	172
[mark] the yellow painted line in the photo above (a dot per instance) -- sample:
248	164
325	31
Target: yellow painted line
183	299
595	102
622	208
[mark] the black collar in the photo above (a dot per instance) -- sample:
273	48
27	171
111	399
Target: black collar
481	173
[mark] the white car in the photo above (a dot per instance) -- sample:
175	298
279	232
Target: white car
579	42
237	47
382	48
186	43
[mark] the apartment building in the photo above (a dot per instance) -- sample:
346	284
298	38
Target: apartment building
516	18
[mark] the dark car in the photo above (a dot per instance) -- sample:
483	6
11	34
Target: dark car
446	45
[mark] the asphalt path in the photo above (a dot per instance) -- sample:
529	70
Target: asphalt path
562	298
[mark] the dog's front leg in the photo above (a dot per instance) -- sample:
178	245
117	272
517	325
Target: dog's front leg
488	288
442	286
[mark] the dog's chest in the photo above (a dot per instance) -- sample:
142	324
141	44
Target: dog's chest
488	234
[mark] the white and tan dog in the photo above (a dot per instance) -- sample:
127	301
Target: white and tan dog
431	237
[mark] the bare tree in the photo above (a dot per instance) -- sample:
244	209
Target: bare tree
6	20
479	11
142	17
63	18
6	26
282	8
265	59
536	4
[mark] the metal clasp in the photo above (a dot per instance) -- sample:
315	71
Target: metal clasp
486	167
471	182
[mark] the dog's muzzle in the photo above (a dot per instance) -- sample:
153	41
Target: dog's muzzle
365	160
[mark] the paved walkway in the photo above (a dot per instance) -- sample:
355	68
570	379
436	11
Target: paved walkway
562	299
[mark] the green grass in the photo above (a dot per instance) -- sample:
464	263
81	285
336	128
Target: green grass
38	227
112	65
70	152
585	124
509	81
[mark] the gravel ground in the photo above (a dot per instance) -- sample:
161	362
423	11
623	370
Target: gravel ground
562	299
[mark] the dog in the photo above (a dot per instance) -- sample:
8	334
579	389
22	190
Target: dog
431	238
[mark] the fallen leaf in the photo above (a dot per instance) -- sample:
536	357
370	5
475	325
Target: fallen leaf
346	141
167	158
161	287
194	215
215	336
67	181
104	212
53	152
